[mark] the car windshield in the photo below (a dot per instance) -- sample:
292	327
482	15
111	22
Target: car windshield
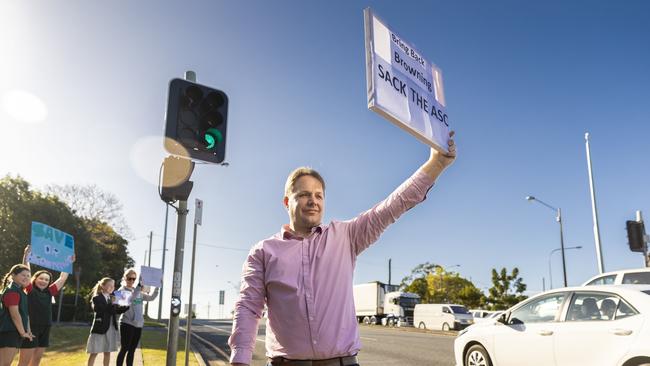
459	310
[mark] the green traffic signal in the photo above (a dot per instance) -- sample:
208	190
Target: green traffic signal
212	137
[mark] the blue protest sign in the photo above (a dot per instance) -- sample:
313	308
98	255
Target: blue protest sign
51	248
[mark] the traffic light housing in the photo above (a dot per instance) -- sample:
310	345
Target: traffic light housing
636	235
196	123
176	183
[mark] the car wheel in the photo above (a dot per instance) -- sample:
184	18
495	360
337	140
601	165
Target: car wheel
477	356
445	327
366	320
422	326
373	320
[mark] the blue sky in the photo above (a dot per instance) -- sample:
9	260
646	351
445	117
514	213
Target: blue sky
524	82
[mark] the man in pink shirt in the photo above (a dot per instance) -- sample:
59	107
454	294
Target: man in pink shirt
304	273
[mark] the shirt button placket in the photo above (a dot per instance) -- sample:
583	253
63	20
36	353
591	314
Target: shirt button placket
308	290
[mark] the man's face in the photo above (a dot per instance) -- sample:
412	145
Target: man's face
306	203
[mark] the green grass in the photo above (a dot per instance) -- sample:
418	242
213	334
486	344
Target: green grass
154	348
68	347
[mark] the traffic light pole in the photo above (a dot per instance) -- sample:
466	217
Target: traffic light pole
177	279
175	309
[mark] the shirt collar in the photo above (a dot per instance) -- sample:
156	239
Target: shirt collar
288	234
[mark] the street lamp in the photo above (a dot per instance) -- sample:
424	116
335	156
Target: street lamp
550	273
558	218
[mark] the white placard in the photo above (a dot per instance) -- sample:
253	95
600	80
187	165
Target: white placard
403	86
150	276
122	298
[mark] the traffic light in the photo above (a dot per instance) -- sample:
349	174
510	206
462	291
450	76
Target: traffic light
636	235
196	123
176	173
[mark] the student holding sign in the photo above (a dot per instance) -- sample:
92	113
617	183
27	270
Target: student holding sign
304	272
40	292
104	336
132	321
14	313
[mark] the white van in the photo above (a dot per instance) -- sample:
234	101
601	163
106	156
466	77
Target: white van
442	316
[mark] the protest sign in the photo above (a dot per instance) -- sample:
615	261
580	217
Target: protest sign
403	86
51	248
150	276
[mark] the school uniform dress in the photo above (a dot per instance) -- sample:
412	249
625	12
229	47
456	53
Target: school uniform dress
40	315
13	295
104	336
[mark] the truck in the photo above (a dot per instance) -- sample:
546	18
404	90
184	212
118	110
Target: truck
379	303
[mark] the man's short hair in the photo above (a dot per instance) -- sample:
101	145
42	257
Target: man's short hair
299	172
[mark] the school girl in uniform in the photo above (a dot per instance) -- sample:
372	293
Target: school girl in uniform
14	315
104	336
39	292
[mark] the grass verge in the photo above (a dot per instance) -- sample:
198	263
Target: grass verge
68	347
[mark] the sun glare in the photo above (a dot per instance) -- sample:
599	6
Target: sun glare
24	106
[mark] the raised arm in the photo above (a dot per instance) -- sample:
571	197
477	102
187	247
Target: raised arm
26	253
248	309
148	297
63	277
366	228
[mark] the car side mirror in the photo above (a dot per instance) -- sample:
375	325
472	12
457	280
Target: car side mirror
503	318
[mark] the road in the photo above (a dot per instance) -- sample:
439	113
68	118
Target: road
380	346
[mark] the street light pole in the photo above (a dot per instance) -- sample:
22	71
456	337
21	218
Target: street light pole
550	272
558	218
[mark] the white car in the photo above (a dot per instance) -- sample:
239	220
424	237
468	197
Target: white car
594	325
638	276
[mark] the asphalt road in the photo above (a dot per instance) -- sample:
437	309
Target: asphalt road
381	346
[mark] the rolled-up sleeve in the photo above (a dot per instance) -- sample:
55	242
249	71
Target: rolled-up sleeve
248	309
366	228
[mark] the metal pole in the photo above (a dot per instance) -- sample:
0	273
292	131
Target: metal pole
172	335
146	306
177	279
160	296
550	272
389	270
188	331
559	219
594	211
58	314
77	276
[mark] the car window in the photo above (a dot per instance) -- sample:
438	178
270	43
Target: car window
604	280
446	310
544	309
592	306
635	278
624	310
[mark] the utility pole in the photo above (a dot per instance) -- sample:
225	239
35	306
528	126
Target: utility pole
389	270
594	211
146	306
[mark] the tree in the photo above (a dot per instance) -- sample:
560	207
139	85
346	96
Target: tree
92	203
507	289
435	285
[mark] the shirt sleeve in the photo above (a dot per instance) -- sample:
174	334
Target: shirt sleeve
53	289
29	288
150	297
11	299
366	228
248	309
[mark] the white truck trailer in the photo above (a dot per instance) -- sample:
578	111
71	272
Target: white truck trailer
377	302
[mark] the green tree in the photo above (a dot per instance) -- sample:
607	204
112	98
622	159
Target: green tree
435	285
507	289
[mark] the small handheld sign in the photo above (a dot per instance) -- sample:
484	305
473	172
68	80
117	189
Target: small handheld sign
403	86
